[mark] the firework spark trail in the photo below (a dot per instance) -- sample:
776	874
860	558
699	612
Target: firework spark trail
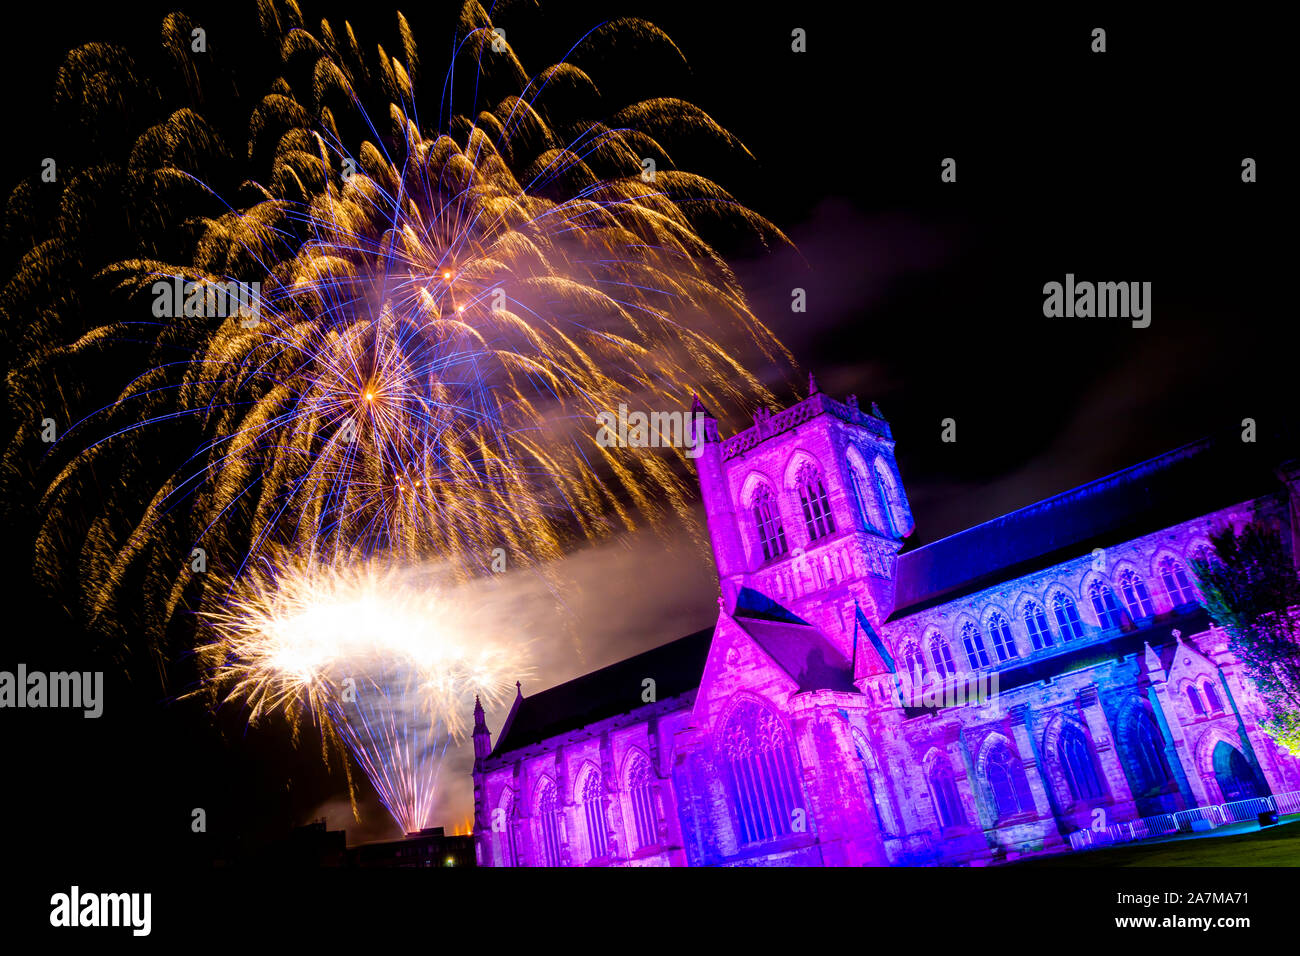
400	753
442	314
386	661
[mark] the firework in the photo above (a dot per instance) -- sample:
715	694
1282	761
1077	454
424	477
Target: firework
440	316
385	660
428	319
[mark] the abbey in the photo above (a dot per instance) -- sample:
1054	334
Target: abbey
791	731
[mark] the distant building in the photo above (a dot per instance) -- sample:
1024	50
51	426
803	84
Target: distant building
817	722
429	847
306	847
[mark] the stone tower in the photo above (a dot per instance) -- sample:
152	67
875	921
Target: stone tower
806	508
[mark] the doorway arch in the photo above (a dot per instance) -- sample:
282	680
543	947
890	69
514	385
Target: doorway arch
1237	779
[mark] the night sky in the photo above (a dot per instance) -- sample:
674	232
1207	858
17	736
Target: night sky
922	296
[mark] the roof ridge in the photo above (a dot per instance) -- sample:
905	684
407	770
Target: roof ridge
1183	452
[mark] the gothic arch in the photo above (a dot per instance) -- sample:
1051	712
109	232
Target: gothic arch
1055	593
940	783
1000	770
909	650
1182	694
1124	564
539	788
760	770
1091	575
1108	591
588	766
548	823
589	797
1002	645
743	697
1214	695
1194	546
1051	751
932	638
635	753
877	784
980	643
868	754
865	491
991	740
638	784
1162	552
1056	588
959	623
1168	553
1133	715
987	613
894	502
933	755
506	848
809	491
1024	598
1203	750
1085	583
749	488
798	458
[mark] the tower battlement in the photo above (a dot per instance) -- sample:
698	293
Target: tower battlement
768	425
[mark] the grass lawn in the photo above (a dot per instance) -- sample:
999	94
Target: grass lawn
1240	844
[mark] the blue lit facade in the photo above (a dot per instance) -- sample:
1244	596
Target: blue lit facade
830	715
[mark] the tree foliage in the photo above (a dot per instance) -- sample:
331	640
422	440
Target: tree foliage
1252	591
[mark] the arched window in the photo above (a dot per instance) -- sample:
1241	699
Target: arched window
548	819
1176	582
1104	604
593	810
1136	597
1212	698
883	486
1040	633
1067	617
860	498
1076	761
914	661
640	785
1198	708
1008	786
1236	777
816	506
973	641
509	847
1147	754
943	793
941	654
761	770
880	801
1003	643
767	519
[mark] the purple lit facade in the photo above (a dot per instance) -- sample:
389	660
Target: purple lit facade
788	733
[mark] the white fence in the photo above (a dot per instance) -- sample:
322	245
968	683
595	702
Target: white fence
1164	824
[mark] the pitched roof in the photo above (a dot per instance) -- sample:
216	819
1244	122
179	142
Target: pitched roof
803	652
1180	485
675	667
